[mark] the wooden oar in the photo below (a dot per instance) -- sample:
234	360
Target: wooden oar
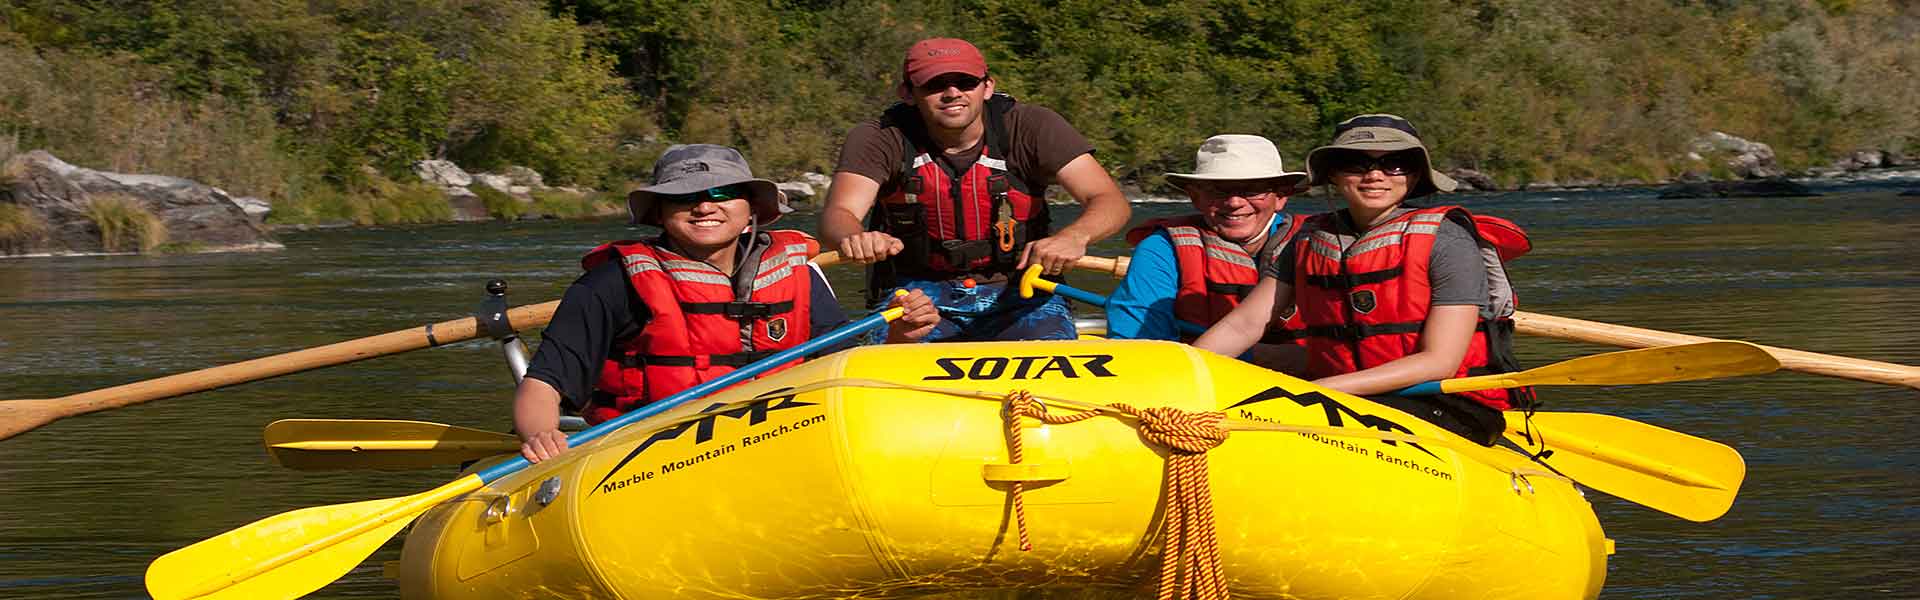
1594	332
322	444
1795	360
1689	362
292	554
1672	472
21	416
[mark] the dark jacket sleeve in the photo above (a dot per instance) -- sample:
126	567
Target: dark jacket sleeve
596	309
827	314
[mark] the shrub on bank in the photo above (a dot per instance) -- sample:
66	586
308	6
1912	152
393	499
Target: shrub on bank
20	228
499	204
387	201
380	202
571	206
124	224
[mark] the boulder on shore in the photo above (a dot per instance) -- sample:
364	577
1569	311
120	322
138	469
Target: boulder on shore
1746	159
1766	188
59	201
1472	180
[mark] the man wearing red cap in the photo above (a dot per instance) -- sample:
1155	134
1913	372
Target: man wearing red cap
954	178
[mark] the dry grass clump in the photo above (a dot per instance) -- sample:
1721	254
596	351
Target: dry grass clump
572	206
125	225
20	229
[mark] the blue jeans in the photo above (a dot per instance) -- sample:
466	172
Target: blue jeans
991	312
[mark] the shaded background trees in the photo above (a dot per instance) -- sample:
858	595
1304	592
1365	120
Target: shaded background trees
282	97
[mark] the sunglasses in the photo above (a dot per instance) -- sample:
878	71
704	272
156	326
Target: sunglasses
715	194
1396	164
959	81
1223	190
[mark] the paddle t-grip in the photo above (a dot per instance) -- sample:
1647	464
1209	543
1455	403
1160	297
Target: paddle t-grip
1030	279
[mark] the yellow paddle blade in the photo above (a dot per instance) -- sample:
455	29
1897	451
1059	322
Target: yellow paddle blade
319	444
1688	477
291	554
1663	364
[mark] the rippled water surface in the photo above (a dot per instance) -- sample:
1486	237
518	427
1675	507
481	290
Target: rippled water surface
1831	507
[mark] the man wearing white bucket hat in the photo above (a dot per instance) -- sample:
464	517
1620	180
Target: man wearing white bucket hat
1197	267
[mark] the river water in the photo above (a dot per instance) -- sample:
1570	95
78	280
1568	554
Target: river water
1830	509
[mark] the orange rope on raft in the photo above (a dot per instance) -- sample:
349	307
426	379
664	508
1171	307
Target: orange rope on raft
1190	560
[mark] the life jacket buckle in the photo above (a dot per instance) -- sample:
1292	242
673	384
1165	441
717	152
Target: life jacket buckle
748	310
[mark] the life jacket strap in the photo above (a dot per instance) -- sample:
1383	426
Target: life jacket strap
737	310
1347	281
699	361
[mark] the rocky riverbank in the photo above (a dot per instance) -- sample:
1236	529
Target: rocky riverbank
49	207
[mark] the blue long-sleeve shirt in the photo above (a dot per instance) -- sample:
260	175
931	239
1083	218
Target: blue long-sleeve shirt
1142	307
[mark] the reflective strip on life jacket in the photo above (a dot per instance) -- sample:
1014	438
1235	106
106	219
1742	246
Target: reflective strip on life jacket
974	221
699	326
1363	300
1215	274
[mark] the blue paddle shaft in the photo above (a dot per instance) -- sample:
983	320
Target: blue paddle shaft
1424	389
1101	301
876	320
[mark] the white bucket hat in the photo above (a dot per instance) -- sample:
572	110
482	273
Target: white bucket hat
1238	157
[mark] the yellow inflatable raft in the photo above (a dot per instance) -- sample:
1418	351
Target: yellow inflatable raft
885	472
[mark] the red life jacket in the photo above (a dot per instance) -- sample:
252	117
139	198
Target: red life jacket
704	323
952	223
1363	301
1215	273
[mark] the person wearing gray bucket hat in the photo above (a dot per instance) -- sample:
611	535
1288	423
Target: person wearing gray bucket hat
705	168
1389	295
716	290
1197	267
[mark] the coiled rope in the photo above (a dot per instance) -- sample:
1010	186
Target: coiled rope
1190	560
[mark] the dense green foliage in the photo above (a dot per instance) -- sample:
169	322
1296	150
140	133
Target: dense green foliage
286	98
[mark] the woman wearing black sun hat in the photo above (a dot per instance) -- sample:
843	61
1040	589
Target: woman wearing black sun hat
1392	294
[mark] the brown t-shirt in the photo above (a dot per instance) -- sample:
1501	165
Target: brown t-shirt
1040	140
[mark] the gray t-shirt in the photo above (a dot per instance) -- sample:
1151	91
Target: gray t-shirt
1455	272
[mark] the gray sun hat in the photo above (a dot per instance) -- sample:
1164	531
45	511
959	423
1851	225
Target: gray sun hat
689	168
1237	157
1382	132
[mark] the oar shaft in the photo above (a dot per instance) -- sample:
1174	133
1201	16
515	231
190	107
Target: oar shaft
503	445
445	332
1633	337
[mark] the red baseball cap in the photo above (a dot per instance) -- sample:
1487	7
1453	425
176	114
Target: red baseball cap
933	57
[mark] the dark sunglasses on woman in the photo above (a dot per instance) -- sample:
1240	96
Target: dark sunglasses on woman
1395	164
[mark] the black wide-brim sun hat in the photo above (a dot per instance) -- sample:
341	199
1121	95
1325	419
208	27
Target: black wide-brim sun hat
1385	133
689	168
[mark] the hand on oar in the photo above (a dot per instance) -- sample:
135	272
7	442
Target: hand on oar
1707	360
1030	280
292	554
1668	471
319	444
